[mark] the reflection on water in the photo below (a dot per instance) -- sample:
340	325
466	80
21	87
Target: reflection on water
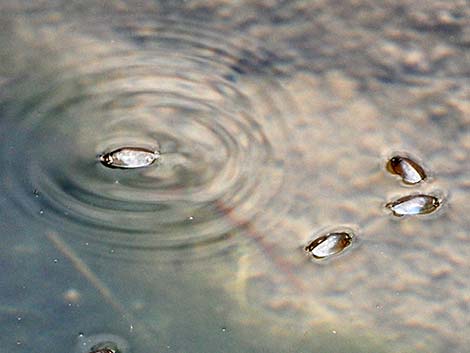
246	146
164	84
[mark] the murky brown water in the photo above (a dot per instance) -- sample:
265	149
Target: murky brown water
274	122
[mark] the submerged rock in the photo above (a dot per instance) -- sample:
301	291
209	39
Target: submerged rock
414	205
129	158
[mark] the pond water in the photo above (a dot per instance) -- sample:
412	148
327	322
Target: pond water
262	126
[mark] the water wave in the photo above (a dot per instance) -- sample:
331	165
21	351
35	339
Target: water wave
208	101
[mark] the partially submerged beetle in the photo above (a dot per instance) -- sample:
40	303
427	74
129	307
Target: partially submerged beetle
104	350
329	244
105	347
410	171
102	343
129	158
416	204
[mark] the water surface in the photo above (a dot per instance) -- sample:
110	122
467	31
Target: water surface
274	122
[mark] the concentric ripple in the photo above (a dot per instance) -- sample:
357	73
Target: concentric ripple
208	102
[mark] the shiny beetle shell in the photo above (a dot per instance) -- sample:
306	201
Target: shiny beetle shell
410	171
105	347
102	343
328	245
104	350
418	204
129	158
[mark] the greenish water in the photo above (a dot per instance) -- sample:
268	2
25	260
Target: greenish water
274	122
